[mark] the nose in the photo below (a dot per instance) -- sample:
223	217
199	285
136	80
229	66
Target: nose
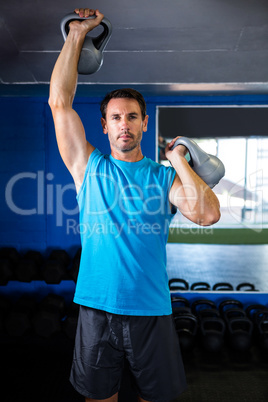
124	124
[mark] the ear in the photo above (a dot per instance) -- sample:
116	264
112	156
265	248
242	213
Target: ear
145	123
104	125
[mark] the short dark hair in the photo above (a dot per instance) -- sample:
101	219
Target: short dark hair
129	93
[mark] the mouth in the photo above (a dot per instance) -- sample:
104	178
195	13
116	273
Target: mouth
125	136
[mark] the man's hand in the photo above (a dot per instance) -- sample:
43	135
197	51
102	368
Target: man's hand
180	149
83	27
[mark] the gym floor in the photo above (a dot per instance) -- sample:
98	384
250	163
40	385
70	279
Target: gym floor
37	370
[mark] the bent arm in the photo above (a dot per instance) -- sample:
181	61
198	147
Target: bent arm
73	146
189	193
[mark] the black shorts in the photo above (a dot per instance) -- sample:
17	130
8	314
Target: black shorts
150	345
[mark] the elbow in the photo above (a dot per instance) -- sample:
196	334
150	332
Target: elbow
55	103
58	105
211	218
59	99
51	103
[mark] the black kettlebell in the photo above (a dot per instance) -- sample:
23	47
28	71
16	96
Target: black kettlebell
200	286
258	314
208	167
91	57
186	326
178	284
185	323
239	326
261	318
222	286
211	325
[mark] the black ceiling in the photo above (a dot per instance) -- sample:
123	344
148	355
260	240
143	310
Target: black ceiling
167	46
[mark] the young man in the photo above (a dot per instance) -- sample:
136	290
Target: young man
125	204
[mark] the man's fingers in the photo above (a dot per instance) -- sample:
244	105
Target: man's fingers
99	16
88	23
172	142
87	12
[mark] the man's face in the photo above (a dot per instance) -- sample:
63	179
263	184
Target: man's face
124	124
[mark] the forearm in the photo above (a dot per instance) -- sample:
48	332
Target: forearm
192	195
64	76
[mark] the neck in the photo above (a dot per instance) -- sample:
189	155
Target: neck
129	156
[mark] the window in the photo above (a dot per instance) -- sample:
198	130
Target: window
243	192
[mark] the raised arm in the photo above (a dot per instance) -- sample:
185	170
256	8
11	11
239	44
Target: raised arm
189	193
73	146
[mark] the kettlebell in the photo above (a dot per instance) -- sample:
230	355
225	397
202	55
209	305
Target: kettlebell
91	57
178	284
208	167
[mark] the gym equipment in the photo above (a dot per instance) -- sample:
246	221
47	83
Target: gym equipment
252	309
223	286
181	284
18	322
26	270
35	256
91	57
200	286
180	305
5	306
185	323
54	272
246	287
9	258
239	326
11	254
211	325
6	271
208	167
55	268
229	303
47	319
69	323
60	255
261	319
202	305
28	267
258	314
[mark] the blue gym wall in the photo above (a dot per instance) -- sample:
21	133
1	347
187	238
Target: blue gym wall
38	207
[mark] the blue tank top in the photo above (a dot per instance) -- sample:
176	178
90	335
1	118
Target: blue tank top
124	223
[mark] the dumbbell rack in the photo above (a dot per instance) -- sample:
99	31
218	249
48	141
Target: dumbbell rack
36	293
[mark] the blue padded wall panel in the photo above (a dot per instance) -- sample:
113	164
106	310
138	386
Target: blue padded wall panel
22	156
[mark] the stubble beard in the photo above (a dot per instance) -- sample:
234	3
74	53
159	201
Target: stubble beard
128	147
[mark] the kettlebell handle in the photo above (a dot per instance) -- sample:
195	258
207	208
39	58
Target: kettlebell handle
100	41
91	56
208	167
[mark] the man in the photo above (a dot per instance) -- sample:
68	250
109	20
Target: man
125	205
